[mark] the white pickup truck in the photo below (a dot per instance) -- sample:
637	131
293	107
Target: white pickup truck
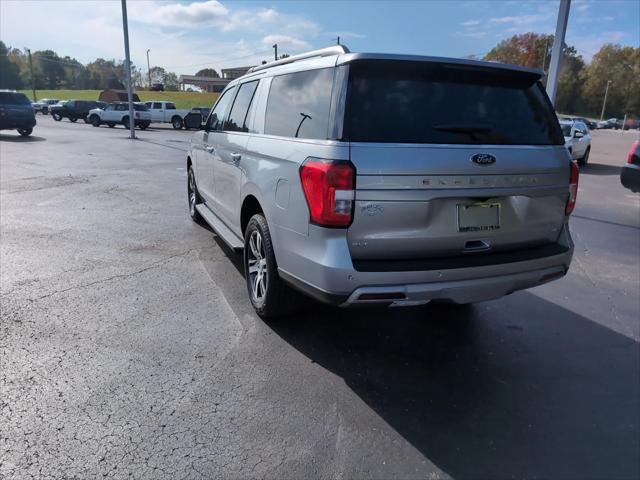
118	113
166	112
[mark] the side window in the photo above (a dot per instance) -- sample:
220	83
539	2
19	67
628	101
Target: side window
157	106
299	104
236	122
70	104
148	104
219	111
170	106
109	107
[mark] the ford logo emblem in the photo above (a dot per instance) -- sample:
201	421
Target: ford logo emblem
483	159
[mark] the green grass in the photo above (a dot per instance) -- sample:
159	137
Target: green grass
181	99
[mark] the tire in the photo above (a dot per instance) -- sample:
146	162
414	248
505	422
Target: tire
584	160
177	122
111	124
193	197
143	125
56	116
269	295
73	119
25	132
95	120
125	123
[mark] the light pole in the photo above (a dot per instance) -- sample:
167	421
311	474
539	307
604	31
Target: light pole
125	27
556	51
275	46
33	83
149	68
604	103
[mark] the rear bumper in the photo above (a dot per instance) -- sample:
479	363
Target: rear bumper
323	269
14	123
630	177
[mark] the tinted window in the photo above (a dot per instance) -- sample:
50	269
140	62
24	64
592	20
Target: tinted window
170	106
219	111
236	122
139	107
157	105
566	130
13	98
299	103
419	102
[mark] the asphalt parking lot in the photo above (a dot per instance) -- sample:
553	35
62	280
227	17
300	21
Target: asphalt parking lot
128	347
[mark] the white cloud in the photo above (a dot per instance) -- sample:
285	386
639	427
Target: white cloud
182	36
285	41
470	23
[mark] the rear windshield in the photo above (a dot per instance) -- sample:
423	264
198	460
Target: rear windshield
13	98
419	102
140	107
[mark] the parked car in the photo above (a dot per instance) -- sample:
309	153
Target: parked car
157	87
117	113
16	113
607	124
589	123
74	109
166	112
204	111
577	140
630	174
385	179
43	105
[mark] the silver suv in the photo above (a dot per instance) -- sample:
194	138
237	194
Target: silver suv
385	179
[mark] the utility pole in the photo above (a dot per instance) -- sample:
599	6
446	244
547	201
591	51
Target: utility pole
604	103
275	46
338	40
125	27
149	68
556	51
33	83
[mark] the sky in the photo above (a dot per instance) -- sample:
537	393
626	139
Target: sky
185	36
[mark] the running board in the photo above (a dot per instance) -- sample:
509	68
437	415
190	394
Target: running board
221	229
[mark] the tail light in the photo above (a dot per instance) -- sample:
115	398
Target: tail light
633	157
328	186
573	188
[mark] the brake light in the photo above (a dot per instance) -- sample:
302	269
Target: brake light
573	188
328	186
633	158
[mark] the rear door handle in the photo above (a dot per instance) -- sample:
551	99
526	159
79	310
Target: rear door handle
210	149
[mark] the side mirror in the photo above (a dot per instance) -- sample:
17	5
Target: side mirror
578	134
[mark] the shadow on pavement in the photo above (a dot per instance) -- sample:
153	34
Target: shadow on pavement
20	139
519	388
600	169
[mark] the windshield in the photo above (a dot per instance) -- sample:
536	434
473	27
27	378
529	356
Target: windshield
13	98
566	130
419	102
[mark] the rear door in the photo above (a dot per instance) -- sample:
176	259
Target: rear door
452	160
207	150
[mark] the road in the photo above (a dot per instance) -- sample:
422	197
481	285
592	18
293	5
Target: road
128	347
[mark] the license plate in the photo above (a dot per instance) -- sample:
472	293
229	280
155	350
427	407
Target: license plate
478	217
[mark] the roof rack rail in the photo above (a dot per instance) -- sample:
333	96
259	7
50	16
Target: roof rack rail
323	52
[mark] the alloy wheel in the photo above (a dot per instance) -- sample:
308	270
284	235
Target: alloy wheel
257	266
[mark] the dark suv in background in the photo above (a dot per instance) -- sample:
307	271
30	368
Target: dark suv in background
74	109
16	113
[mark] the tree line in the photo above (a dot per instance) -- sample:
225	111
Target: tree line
581	85
52	71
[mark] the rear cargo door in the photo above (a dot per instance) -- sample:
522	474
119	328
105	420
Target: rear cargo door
452	160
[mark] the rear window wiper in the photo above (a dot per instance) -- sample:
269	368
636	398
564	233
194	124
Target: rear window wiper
464	128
